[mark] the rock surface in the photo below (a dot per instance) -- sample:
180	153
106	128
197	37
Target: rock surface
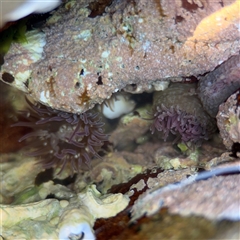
228	120
206	194
78	60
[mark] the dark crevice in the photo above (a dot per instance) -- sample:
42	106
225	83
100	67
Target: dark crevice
131	87
26	83
44	176
178	19
65	181
81	72
77	85
7	77
190	7
235	149
98	7
99	82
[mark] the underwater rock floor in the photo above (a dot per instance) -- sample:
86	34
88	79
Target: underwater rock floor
136	171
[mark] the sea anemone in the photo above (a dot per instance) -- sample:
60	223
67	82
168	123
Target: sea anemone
173	120
178	111
61	138
119	104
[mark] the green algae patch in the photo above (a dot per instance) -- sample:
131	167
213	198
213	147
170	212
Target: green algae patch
15	33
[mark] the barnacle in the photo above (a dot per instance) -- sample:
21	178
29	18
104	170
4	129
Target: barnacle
62	138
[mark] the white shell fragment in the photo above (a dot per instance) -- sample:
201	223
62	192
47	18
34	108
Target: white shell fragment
14	10
103	207
64	219
76	222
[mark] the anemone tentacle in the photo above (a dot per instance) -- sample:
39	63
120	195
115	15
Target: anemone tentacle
60	139
178	111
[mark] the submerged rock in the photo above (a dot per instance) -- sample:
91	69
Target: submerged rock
78	60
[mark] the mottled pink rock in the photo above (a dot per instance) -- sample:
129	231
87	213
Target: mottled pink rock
207	194
83	60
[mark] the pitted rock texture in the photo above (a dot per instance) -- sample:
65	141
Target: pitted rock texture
228	120
85	59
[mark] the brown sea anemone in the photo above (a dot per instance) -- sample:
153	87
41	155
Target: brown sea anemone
61	138
178	111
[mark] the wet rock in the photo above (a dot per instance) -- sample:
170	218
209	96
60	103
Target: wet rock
228	121
204	194
77	61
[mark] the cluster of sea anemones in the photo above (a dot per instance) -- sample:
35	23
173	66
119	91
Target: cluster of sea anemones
178	111
61	138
